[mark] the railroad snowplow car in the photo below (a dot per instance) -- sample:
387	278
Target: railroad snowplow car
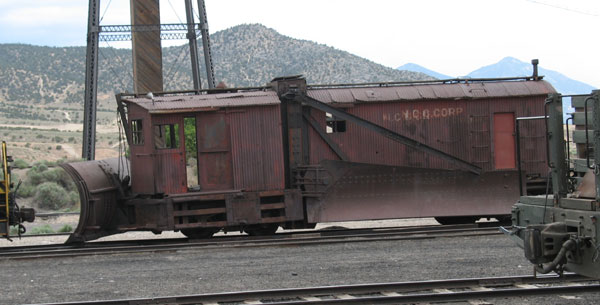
293	155
10	213
559	231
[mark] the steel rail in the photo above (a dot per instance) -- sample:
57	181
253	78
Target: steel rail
56	214
387	293
277	240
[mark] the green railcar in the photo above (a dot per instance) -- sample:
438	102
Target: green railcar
559	231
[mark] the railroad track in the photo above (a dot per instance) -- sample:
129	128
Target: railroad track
56	214
389	293
281	239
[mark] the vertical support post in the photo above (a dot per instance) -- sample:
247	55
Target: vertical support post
596	114
519	168
91	82
210	75
146	46
557	146
291	125
191	36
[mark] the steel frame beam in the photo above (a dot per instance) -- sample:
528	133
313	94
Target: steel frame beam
191	36
206	44
91	82
556	145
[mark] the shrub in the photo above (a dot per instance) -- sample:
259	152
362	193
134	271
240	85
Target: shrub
14	230
25	191
51	196
44	229
74	198
39	173
20	163
65	229
58	147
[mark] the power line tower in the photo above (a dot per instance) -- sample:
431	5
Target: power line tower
146	32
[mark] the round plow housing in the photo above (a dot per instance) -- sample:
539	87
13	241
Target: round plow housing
100	186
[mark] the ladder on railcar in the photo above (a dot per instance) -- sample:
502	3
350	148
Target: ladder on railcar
4	195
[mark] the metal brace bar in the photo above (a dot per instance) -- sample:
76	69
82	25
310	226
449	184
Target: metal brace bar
336	149
124	121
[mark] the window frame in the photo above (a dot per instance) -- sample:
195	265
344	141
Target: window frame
137	133
173	133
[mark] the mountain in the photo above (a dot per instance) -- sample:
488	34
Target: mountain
244	55
418	68
510	66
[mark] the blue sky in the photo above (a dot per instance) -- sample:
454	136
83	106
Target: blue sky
451	37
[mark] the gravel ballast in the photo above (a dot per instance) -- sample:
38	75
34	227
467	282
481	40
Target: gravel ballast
197	271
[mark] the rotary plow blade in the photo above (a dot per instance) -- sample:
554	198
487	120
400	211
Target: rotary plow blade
101	185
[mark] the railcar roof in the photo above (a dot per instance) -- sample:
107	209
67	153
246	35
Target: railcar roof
348	94
205	102
436	91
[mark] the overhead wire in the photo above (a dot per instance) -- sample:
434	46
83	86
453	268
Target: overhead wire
177	65
106	9
174	11
130	79
563	8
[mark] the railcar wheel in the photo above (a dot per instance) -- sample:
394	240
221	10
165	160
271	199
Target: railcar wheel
456	220
200	233
261	230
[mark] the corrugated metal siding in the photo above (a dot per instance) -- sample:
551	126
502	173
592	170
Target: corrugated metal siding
319	150
533	141
479	133
257	148
142	175
440	124
461	128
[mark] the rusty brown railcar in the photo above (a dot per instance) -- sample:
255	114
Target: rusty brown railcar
293	155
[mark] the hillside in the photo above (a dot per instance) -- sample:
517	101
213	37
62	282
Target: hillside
51	79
